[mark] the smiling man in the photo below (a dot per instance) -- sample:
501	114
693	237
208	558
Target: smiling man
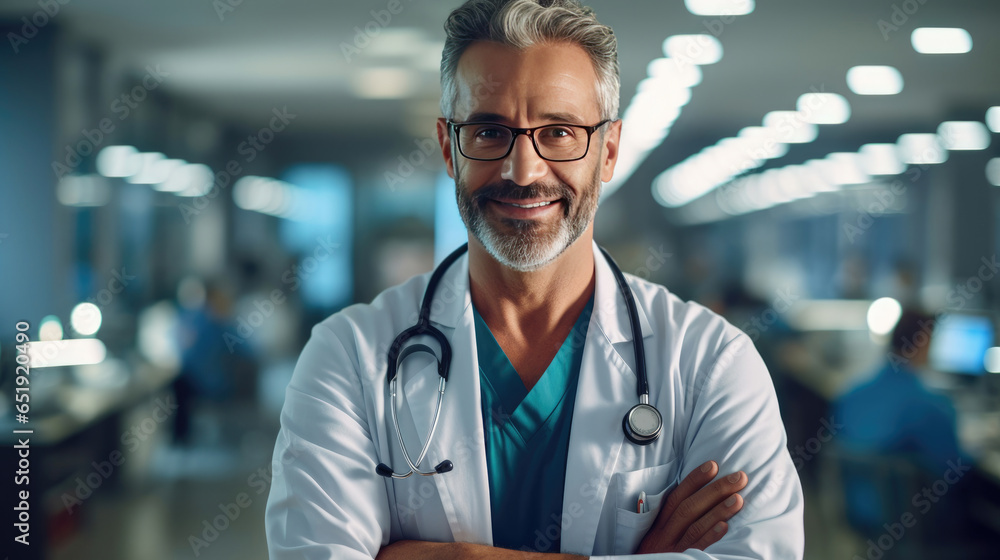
587	413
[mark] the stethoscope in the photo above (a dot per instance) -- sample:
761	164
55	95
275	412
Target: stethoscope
642	423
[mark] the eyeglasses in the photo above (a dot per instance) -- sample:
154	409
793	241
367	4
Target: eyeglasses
489	141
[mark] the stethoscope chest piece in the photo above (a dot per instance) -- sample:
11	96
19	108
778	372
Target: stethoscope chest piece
642	424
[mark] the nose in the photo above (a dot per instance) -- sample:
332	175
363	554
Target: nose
523	165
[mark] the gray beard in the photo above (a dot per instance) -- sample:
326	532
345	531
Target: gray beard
525	245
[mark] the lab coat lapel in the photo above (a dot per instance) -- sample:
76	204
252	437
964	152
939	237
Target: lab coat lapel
606	390
465	491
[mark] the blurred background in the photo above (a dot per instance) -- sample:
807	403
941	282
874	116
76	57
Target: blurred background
189	186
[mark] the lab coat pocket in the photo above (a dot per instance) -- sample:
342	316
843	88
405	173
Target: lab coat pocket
631	526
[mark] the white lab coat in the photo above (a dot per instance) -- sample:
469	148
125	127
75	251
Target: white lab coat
705	377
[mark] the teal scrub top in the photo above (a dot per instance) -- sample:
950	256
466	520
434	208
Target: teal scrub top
527	438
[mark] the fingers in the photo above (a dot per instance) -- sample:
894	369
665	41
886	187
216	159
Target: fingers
711	527
693	508
711	537
694	481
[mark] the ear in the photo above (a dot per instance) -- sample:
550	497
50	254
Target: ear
609	149
444	139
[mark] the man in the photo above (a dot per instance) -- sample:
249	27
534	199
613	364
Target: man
542	370
894	416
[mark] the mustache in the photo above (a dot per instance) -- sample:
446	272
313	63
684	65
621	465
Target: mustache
509	190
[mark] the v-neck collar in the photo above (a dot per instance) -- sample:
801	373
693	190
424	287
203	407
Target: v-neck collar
523	413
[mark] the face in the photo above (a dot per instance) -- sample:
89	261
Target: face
523	209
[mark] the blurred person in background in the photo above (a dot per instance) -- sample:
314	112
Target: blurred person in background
895	416
206	361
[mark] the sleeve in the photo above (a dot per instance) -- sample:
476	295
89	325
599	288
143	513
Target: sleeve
735	421
326	501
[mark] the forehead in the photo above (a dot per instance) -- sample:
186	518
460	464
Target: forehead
545	79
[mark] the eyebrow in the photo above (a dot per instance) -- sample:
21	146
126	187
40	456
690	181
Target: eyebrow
568	118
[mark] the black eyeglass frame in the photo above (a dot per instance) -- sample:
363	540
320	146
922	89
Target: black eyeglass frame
529	132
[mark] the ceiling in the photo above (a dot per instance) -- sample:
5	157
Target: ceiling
242	62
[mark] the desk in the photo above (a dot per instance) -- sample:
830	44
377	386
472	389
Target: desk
811	387
80	425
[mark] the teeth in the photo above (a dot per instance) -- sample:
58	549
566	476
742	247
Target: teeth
536	205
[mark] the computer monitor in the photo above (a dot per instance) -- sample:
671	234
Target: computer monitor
960	342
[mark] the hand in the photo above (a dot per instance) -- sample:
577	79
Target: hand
695	513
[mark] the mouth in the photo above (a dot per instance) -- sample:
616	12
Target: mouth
525	208
538	204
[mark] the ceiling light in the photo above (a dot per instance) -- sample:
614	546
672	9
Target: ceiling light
883	314
993	119
195	179
762	142
396	42
118	161
72	352
50	328
790	127
147	162
161	171
845	168
384	83
83	190
719	7
874	80
964	135
693	49
881	159
674	71
941	40
993	172
85	318
824	108
991	360
921	149
662	92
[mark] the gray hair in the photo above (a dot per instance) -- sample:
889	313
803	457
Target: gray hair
523	23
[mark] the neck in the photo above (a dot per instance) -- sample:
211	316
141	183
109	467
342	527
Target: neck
517	301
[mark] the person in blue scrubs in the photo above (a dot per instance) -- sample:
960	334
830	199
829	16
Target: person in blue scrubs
895	416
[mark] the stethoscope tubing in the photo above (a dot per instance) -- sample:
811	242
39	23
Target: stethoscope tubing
423	327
